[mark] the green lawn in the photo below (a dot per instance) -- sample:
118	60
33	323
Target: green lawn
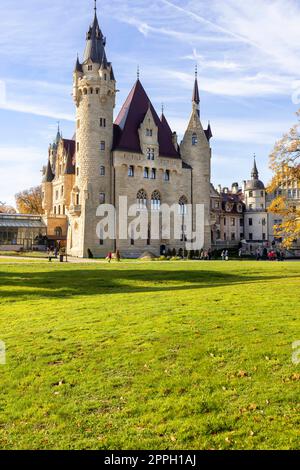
189	355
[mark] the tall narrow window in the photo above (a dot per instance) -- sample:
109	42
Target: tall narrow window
102	170
77	200
167	175
77	146
155	201
183	205
194	139
141	199
102	198
146	173
102	146
149	236
131	171
153	174
102	122
150	153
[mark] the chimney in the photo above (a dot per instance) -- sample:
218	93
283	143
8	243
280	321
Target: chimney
219	189
175	140
225	190
235	188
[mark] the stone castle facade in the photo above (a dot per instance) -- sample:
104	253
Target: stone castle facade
136	155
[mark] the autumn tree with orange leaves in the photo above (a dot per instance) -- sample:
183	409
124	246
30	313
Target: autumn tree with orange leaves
285	164
30	201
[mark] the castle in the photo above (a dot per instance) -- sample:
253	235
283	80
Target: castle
137	156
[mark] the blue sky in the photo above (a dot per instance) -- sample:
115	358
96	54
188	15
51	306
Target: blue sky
248	56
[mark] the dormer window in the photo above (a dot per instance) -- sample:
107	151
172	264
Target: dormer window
90	67
194	139
150	153
149	132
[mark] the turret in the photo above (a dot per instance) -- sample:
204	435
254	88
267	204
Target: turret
196	152
94	91
255	192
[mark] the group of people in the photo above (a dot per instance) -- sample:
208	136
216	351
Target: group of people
225	255
206	255
57	251
117	256
272	255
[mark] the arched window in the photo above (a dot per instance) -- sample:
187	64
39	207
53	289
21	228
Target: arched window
85	91
91	91
58	232
155	201
183	205
194	139
141	199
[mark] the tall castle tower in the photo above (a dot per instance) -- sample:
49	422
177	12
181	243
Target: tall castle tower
94	92
196	152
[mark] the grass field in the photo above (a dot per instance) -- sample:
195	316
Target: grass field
190	355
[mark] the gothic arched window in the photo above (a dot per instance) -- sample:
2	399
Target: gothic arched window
141	198
183	205
194	139
155	201
58	232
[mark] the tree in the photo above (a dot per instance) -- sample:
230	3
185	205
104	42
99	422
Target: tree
5	209
30	201
285	163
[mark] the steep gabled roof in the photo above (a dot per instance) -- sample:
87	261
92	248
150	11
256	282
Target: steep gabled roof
69	148
48	176
130	118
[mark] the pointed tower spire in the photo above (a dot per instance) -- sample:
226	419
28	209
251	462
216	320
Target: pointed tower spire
78	66
58	135
255	173
48	176
95	43
196	95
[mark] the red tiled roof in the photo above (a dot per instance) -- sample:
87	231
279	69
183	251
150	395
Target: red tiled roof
131	116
